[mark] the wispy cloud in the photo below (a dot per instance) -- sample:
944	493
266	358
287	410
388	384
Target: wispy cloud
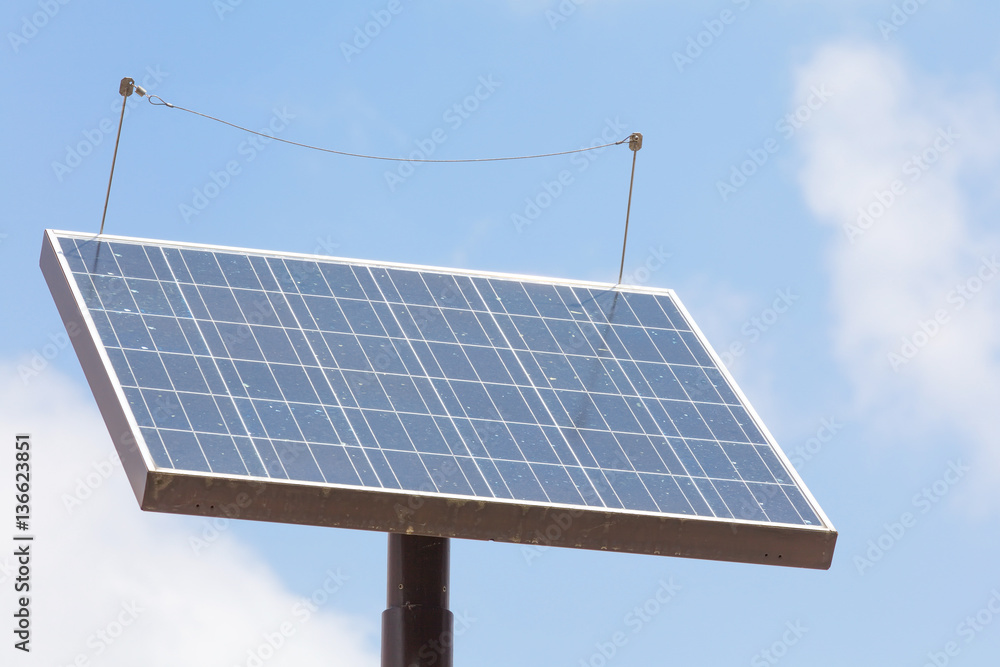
896	168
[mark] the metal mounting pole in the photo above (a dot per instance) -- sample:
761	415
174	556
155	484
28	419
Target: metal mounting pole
417	627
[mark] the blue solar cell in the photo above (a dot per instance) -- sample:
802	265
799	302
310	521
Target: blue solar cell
230	415
382	469
748	425
647	311
176	299
640	452
521	480
721	423
194	301
569	337
343	281
606	494
535	334
239	341
532	442
686	457
185	372
509	402
686	418
263	273
667	455
165	409
452	361
251	459
336	465
147	369
307	277
546	301
274	344
364	278
801	505
86	286
177	266
409	471
557	484
556	371
363	467
632	492
256	308
447	474
470	439
347	352
238	271
366	389
298	461
410	287
710	495
672	346
269	458
234	384
97	258
666	494
276	416
122	370
222	455
424	433
203	267
773	502
388	430
671	311
149	297
618	376
497	440
385	284
538	410
114	294
294	383
184	451
257	379
697	500
166	334
606	450
740	501
445	291
361	316
156	449
713	459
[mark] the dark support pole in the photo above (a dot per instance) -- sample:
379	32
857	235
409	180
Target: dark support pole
417	626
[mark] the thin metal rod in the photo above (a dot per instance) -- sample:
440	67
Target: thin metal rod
628	211
113	159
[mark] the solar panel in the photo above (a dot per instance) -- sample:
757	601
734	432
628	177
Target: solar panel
408	399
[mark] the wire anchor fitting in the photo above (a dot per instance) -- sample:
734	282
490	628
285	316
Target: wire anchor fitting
634	144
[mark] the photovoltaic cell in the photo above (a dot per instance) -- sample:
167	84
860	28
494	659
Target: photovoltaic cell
348	373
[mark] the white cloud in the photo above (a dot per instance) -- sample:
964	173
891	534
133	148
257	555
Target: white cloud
106	562
895	271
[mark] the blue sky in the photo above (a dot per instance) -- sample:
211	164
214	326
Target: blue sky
837	158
